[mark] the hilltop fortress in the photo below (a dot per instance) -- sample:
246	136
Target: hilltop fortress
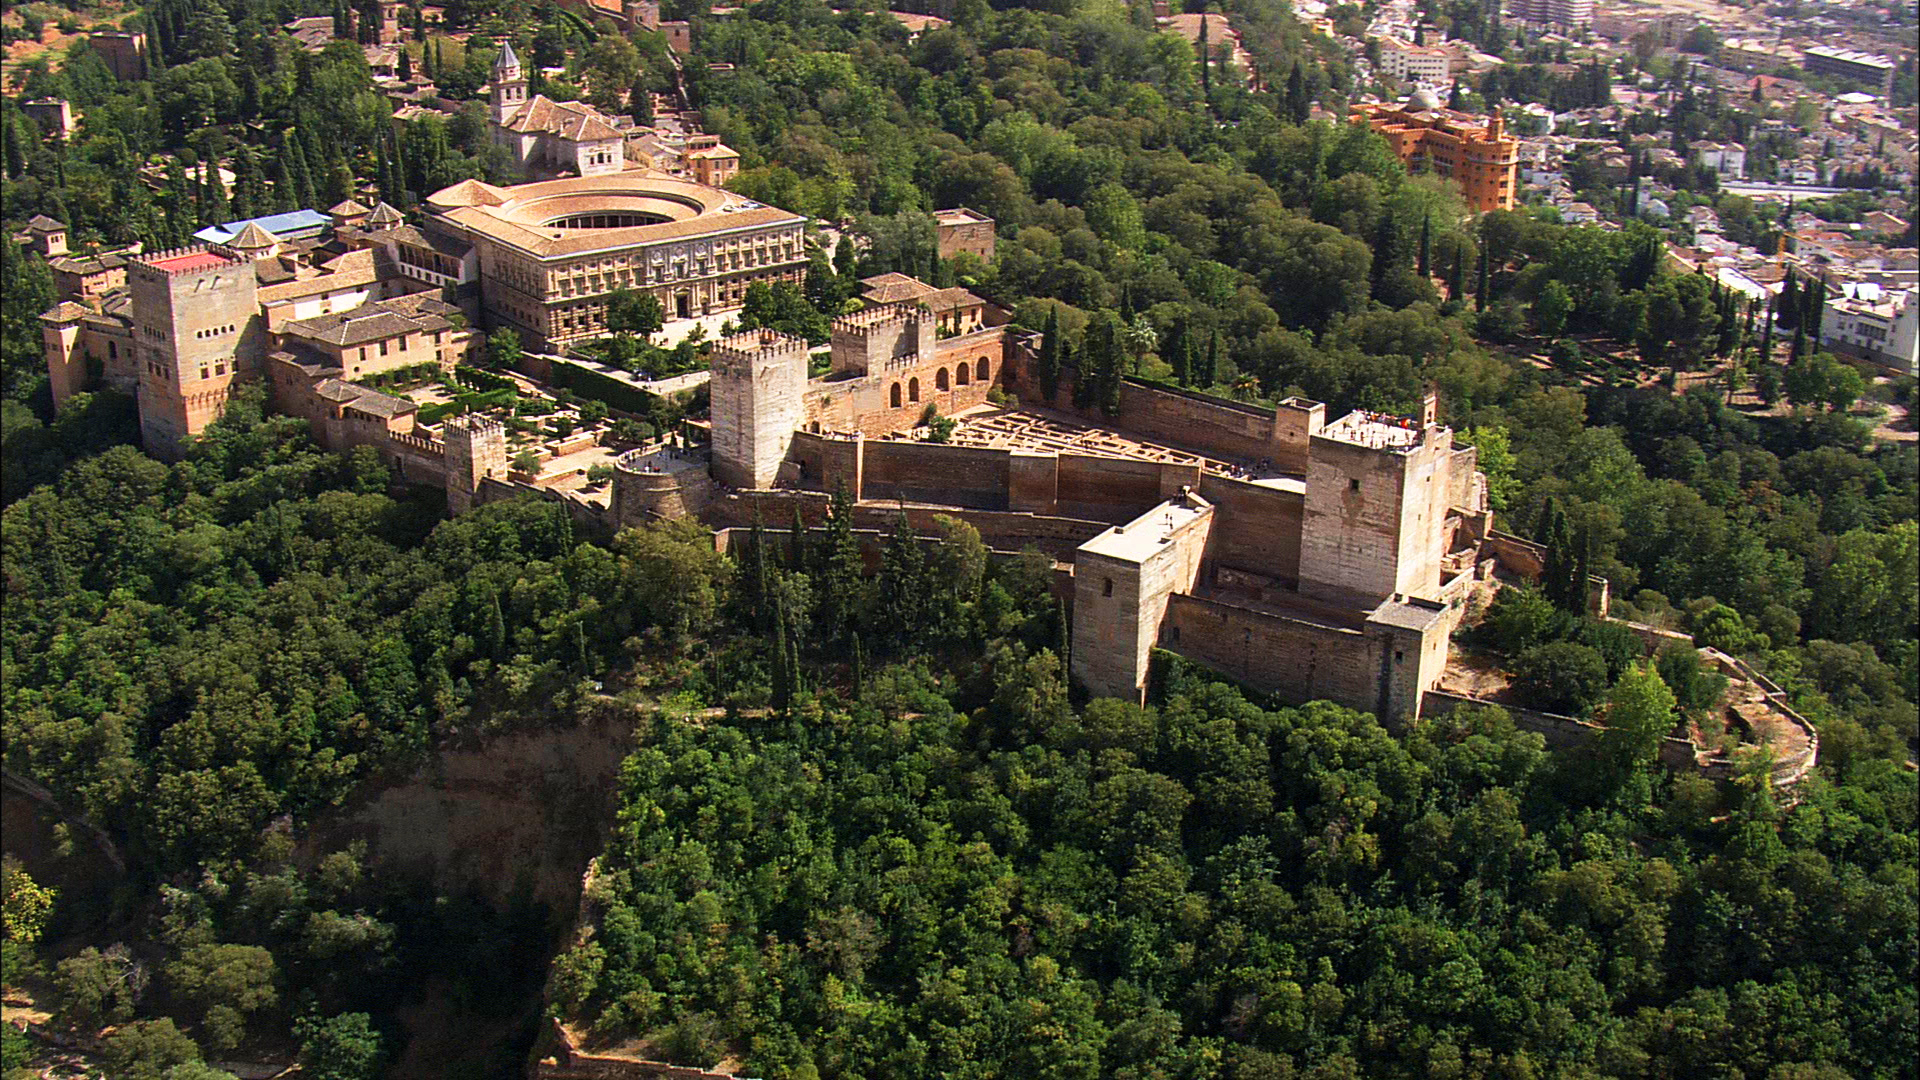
1307	557
1312	557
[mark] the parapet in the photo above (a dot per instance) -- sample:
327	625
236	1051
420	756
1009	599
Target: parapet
1377	431
478	426
867	320
738	354
177	261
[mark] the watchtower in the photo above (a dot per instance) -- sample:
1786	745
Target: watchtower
476	450
758	390
196	317
877	338
1375	509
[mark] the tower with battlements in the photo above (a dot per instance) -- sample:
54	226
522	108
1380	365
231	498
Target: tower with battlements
476	450
1377	494
197	329
759	386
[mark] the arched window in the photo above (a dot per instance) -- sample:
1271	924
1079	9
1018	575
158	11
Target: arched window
913	389
940	380
983	369
964	374
895	395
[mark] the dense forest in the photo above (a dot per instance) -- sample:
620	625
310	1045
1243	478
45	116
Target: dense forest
901	845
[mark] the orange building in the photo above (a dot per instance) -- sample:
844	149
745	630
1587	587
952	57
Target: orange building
1475	151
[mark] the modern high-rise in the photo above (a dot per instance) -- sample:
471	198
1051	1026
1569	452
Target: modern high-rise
1573	14
1875	71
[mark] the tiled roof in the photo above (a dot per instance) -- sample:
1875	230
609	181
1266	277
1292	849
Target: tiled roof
252	236
948	299
346	208
65	311
894	288
382	214
413	236
43	223
568	120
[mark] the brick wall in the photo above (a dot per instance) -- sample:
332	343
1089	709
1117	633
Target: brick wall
1195	421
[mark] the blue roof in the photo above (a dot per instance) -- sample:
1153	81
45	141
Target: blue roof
281	225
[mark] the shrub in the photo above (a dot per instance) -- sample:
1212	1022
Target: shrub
1695	688
1520	618
1616	644
1561	676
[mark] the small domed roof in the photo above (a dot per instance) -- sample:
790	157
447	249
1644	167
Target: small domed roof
1424	99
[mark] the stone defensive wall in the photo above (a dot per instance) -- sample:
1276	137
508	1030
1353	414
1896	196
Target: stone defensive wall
1302	660
1564	732
1190	420
1258	527
1078	486
1001	530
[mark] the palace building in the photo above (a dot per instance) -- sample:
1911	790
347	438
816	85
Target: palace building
551	253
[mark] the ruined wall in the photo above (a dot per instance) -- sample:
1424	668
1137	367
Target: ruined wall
1560	732
1258	527
1296	660
969	476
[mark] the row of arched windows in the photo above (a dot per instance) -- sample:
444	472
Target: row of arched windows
963	375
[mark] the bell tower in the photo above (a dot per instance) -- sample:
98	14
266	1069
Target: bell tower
509	84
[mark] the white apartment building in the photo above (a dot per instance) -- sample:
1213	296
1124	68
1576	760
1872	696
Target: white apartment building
1876	324
1408	62
1727	159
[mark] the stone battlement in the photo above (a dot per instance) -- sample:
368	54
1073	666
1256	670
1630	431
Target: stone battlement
867	320
187	260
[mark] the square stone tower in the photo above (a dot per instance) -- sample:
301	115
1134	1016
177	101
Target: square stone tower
1121	583
196	317
1375	511
875	339
476	450
759	386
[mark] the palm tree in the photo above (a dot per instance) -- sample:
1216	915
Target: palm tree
1138	338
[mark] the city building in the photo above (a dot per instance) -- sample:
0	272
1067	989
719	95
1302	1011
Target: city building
1476	152
548	137
1408	62
1727	159
286	227
1566	14
711	161
549	254
1760	56
1875	71
1876	324
962	229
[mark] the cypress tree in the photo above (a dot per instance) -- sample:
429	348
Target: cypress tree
1050	354
1212	369
1206	67
1789	302
782	672
1426	243
1480	294
1183	360
1457	278
1583	554
858	675
1386	237
797	543
404	67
